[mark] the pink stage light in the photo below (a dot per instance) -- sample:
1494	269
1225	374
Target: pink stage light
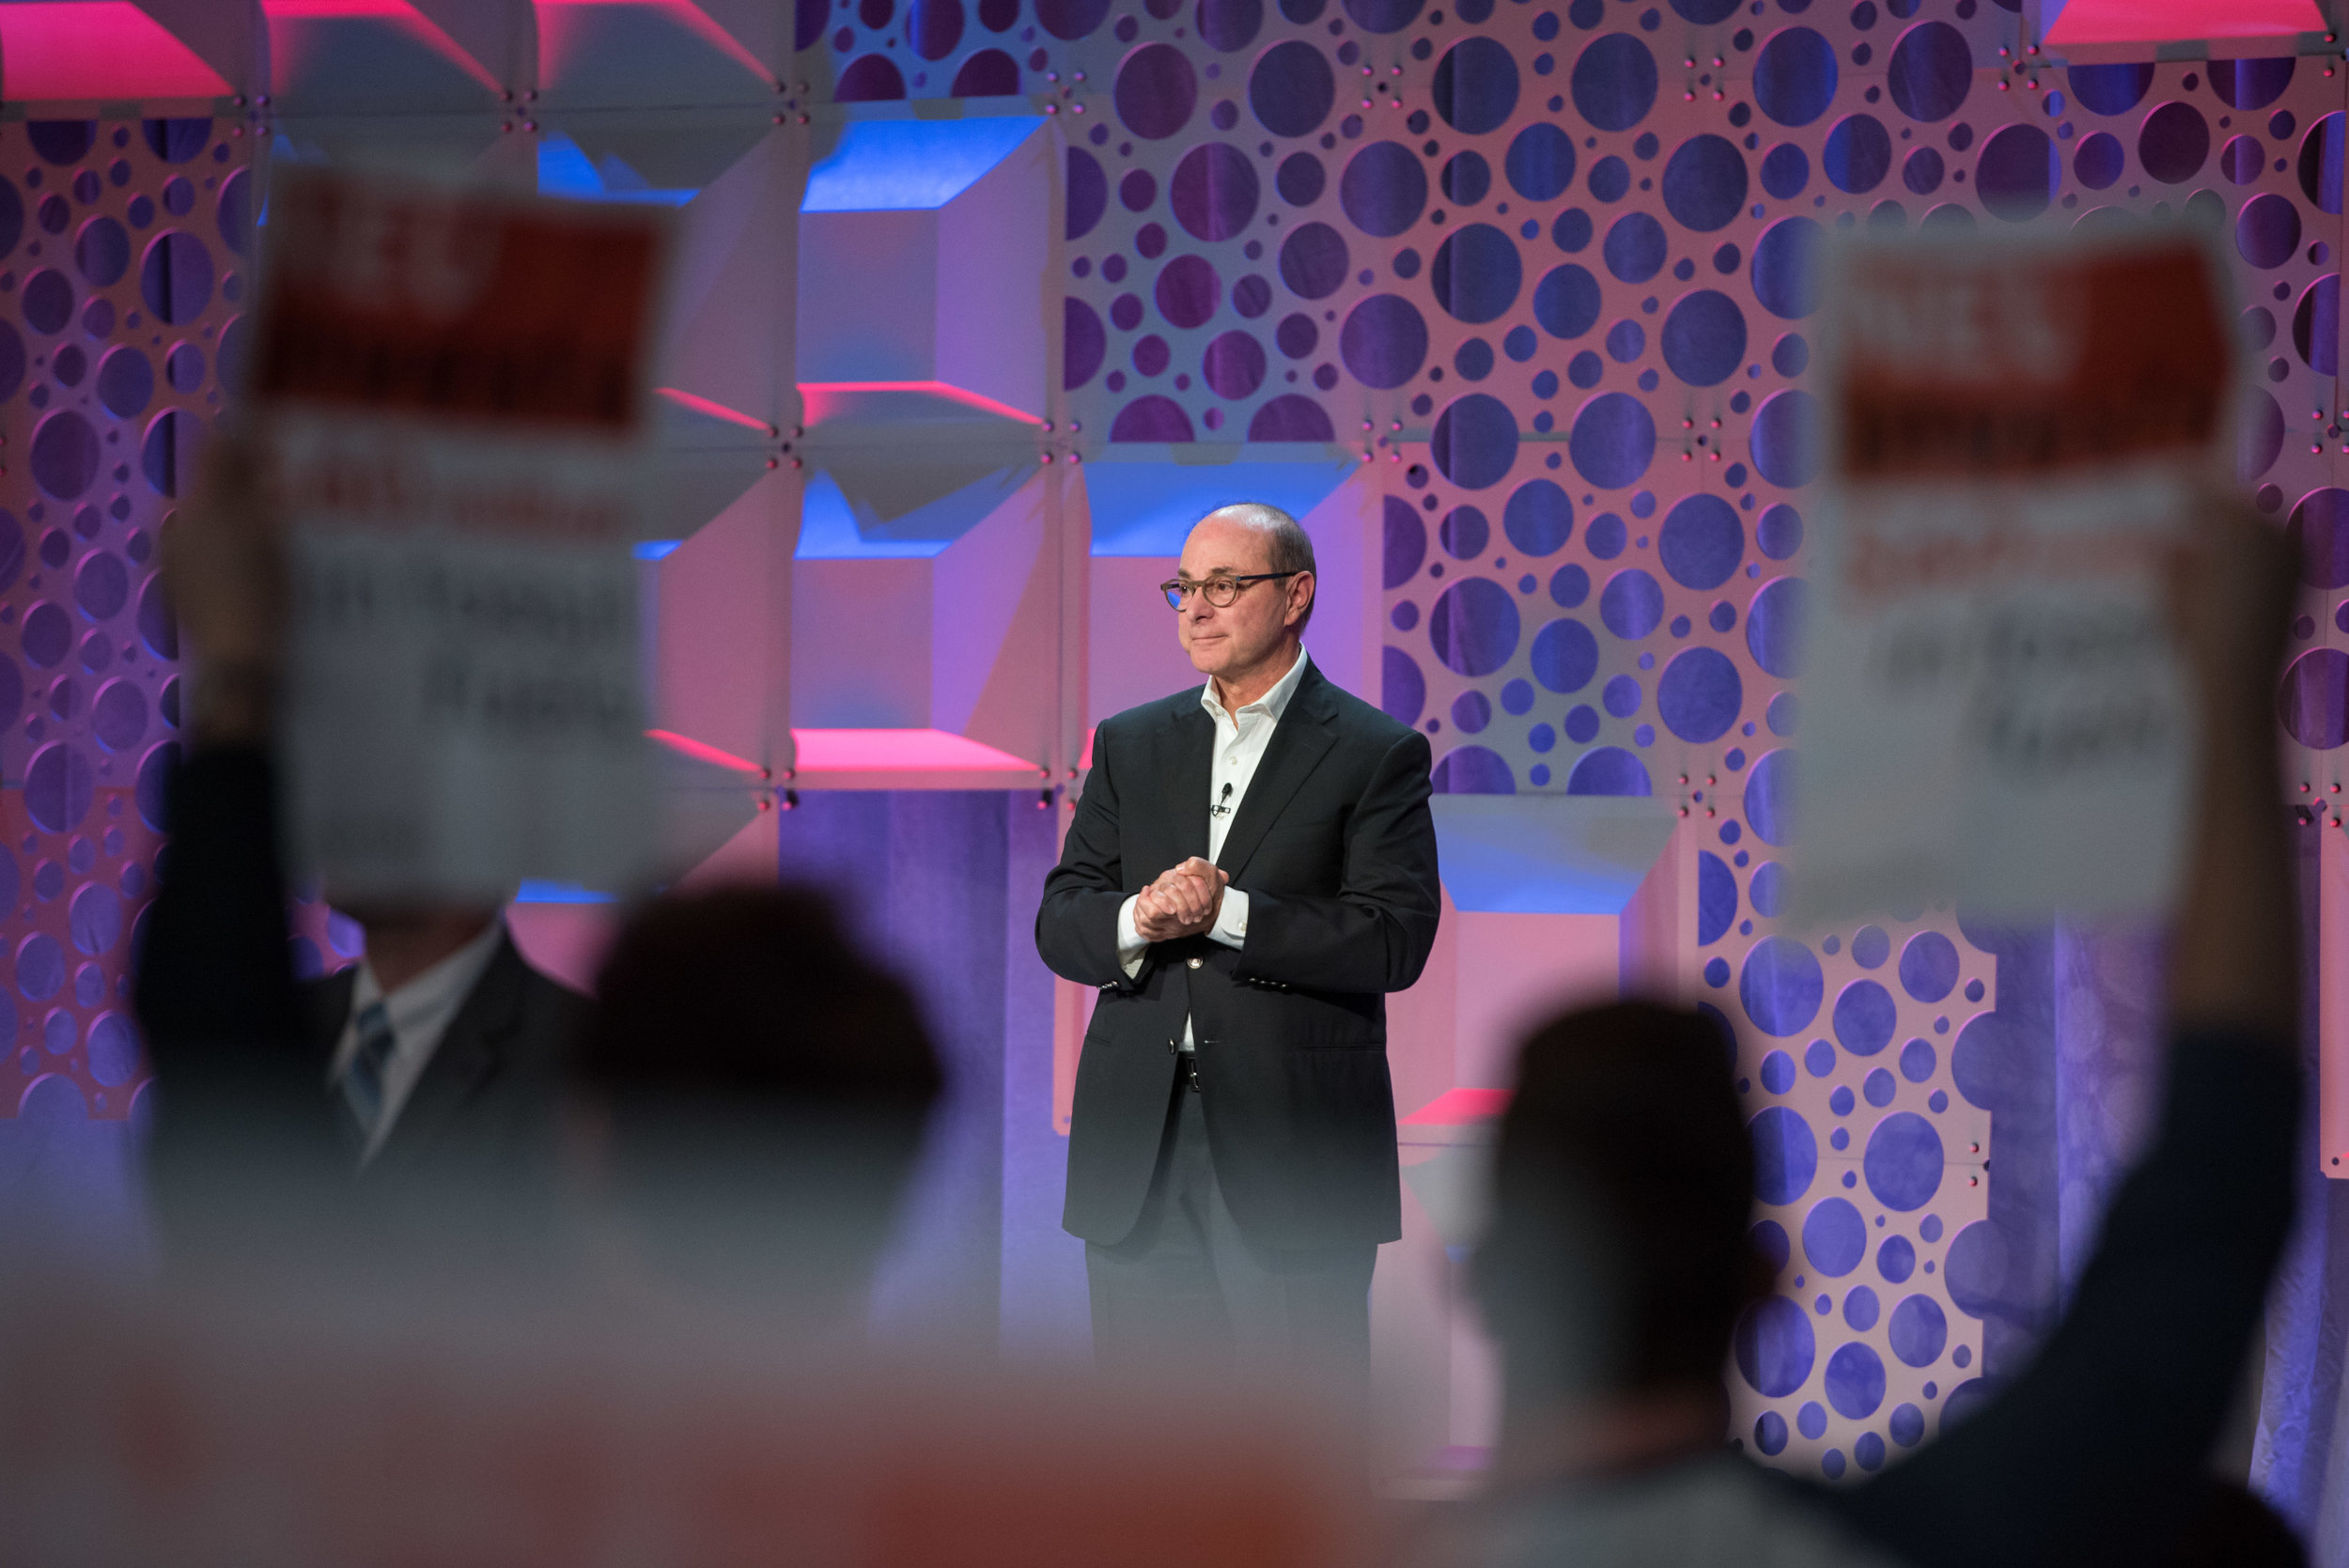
396	15
686	745
2162	21
865	751
901	752
826	398
1458	1107
555	35
715	410
67	49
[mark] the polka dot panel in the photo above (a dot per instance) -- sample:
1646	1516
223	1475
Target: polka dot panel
1870	1160
1073	54
1547	268
2270	137
125	244
76	897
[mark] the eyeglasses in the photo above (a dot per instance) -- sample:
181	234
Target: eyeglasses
1219	591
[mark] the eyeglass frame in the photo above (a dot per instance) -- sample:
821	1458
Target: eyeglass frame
1172	588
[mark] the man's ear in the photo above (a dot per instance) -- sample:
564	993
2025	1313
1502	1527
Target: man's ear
1301	590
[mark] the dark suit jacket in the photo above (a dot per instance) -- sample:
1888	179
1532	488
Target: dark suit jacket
1336	849
245	1118
484	1110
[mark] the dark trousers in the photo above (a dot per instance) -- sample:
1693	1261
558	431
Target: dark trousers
1187	1288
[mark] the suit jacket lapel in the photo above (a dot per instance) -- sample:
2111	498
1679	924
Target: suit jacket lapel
1188	768
469	1052
1299	743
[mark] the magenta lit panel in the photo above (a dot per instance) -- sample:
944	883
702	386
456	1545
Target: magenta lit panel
96	49
2162	21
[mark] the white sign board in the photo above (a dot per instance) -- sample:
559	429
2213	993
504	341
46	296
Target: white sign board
2011	434
454	386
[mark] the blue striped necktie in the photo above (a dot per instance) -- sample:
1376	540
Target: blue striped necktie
363	1080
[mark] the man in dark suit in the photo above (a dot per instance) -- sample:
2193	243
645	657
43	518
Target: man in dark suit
1251	868
441	1053
414	1097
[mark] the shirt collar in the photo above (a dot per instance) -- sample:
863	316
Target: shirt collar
1274	701
453	976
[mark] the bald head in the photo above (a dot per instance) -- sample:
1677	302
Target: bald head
1287	547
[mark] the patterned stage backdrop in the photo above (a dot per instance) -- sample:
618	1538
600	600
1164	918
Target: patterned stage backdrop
1545	266
124	243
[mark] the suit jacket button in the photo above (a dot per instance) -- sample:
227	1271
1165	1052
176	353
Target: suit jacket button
1197	962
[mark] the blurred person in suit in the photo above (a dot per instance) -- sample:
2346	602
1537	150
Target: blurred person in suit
1251	869
423	1082
735	1121
1618	1260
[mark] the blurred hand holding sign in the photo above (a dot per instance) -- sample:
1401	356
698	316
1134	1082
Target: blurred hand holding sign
454	385
2014	430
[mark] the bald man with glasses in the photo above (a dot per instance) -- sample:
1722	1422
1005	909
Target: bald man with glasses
1251	869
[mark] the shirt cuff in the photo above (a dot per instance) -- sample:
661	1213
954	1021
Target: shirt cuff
1130	945
1231	921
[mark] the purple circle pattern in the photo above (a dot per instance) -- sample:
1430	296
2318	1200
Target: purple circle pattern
1865	1015
1930	72
1188	291
65	455
1699	695
1383	189
2173	142
1704	337
1156	91
1291	89
2268	230
1834	1237
1855	1381
1383	343
1785	438
1475	441
1781	986
1473	626
1215	191
1903	1161
1614	82
2313	699
1774	622
2019	172
1773	1347
1793	76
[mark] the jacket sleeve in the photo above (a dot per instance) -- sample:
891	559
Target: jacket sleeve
215	989
1375	933
2095	1451
1076	926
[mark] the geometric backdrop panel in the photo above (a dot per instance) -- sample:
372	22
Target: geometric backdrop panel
126	245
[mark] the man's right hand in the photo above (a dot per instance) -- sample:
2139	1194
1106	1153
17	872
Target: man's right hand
1183	902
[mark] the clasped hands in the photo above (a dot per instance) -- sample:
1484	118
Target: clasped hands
1183	902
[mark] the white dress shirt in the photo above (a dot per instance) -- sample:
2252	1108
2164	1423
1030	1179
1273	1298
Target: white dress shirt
419	1013
1240	741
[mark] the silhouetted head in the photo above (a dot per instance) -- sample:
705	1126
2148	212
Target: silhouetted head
760	1083
1618	1257
2234	1527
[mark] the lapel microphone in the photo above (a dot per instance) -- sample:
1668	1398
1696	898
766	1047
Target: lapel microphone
1222	806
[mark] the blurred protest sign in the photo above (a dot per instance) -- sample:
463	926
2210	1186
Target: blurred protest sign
454	385
2012	430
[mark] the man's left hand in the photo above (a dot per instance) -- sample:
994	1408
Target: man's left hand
1194	890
